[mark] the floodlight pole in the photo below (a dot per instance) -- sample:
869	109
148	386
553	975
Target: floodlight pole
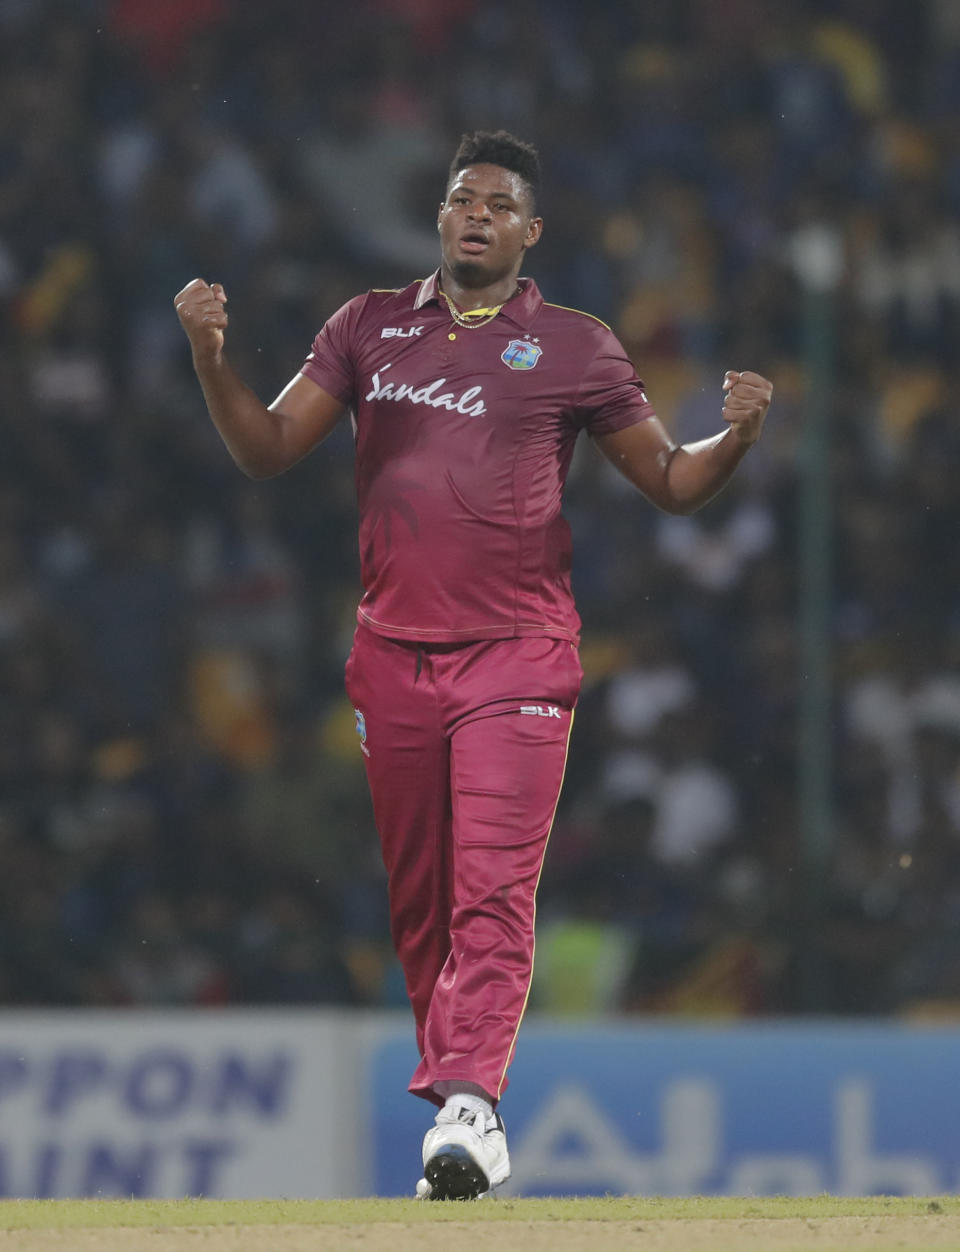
818	258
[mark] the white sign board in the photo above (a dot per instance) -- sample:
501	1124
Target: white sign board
229	1104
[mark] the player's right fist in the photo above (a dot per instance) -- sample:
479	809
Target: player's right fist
202	315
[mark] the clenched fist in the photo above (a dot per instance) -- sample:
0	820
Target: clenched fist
202	315
746	402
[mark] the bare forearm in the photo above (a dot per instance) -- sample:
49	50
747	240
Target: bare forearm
252	433
682	479
263	439
696	472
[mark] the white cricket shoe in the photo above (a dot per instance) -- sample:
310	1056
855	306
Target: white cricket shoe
464	1157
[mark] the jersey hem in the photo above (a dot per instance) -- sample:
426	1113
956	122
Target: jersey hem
470	634
633	419
341	392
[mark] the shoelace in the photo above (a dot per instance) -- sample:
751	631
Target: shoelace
471	1117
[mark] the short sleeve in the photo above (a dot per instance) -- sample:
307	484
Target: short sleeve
330	361
611	396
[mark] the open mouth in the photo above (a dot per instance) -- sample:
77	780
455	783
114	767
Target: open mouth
473	241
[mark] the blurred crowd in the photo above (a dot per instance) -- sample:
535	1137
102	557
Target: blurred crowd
730	183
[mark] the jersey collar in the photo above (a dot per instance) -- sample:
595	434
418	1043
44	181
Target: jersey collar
520	309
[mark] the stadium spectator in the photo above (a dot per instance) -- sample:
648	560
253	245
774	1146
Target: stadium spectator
682	186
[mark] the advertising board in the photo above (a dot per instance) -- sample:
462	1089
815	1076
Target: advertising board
789	1109
170	1104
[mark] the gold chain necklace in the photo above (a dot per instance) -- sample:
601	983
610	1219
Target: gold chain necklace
473	319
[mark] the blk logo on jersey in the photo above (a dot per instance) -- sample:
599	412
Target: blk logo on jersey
521	354
540	710
397	332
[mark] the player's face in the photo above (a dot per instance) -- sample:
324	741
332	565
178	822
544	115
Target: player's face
485	225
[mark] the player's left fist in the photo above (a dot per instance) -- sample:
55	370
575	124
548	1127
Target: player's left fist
746	400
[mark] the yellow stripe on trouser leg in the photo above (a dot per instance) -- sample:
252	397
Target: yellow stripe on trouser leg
533	952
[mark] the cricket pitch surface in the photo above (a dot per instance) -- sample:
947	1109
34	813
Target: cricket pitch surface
610	1224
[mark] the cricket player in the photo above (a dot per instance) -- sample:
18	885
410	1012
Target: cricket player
467	392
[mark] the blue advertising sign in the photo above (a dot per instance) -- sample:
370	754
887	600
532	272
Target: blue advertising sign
781	1109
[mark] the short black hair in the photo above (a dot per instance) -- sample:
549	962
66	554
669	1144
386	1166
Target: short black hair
499	147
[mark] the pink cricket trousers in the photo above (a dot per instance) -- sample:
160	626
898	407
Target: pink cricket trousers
465	747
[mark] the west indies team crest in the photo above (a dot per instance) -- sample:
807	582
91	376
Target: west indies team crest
362	731
521	354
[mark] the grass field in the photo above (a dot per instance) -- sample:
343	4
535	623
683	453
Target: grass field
826	1223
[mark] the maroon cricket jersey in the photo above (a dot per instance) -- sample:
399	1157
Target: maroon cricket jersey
464	437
